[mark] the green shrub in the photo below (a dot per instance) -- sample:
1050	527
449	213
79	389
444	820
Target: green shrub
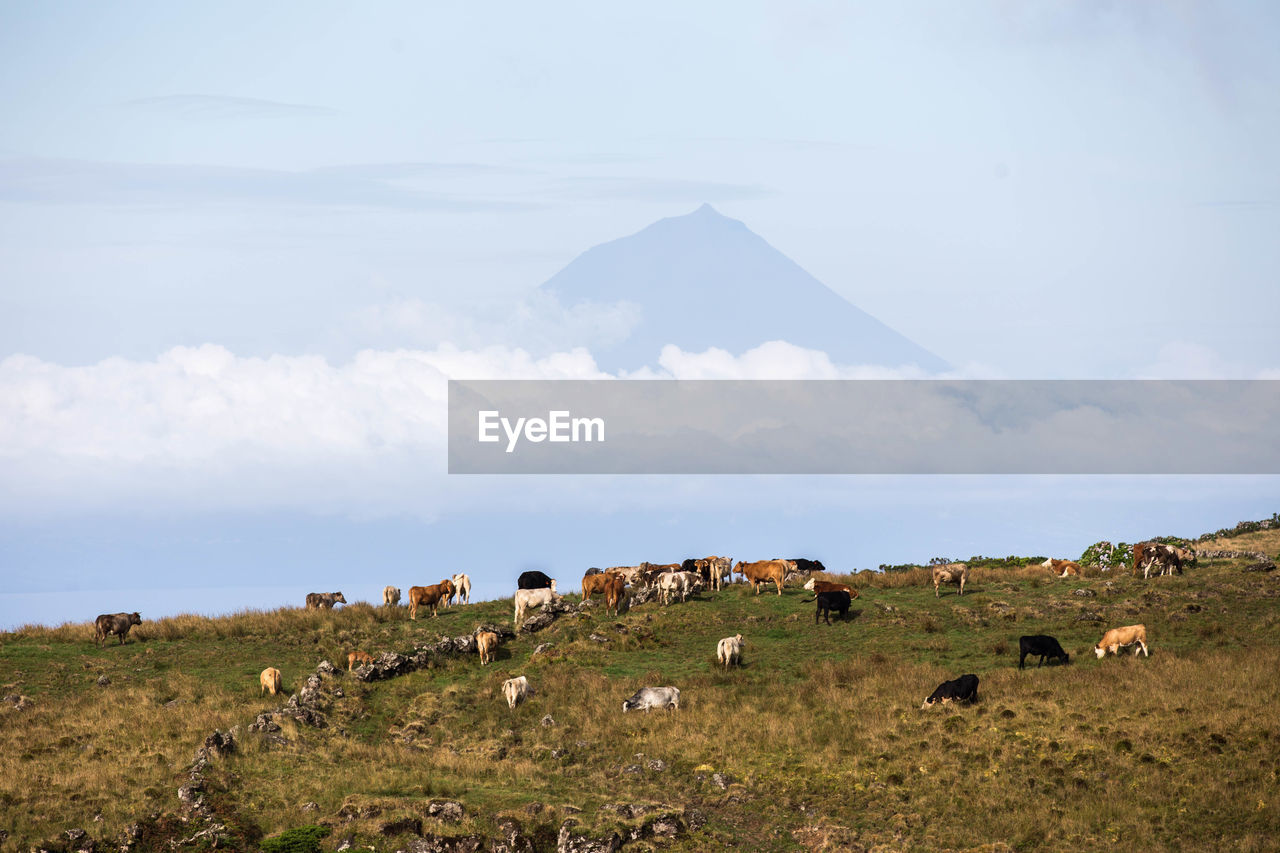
302	839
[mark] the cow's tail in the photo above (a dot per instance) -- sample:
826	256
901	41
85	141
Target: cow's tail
808	600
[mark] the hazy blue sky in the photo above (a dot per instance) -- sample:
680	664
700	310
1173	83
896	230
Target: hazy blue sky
1058	190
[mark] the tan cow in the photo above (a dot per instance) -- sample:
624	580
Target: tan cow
486	644
830	586
390	596
594	583
529	598
516	690
729	651
956	573
1113	640
1062	568
430	596
358	657
270	681
614	592
764	571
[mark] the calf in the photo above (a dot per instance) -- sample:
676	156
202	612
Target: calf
652	697
829	586
390	596
527	598
486	644
832	600
114	623
729	651
462	585
324	600
270	681
1043	646
962	689
956	573
1130	635
358	657
516	690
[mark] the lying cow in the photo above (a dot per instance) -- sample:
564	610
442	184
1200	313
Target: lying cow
358	657
390	596
956	573
1062	568
535	580
729	651
516	690
325	600
529	598
836	600
829	586
962	689
486	645
1116	638
270	681
652	697
462	586
114	623
763	572
428	596
1042	646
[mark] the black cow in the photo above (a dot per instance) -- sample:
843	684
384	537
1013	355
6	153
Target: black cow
803	565
962	689
114	623
591	571
534	580
1044	646
836	600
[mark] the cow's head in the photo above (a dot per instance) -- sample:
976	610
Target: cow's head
340	598
1099	651
553	585
810	582
737	570
135	619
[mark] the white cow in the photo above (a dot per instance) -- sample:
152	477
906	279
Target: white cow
391	596
516	690
462	583
682	582
527	598
652	697
729	651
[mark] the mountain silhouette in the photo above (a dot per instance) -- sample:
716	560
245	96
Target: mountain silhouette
704	280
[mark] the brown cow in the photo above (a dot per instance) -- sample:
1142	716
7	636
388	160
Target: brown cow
614	592
431	596
114	623
763	571
1130	635
270	681
361	657
1062	568
486	644
1166	558
592	584
830	586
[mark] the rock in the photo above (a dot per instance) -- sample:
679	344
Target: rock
357	811
1089	616
543	648
175	703
313	682
721	781
191	795
570	842
103	681
220	743
548	720
326	668
79	841
511	838
1260	566
338	694
632	768
657	765
264	723
403	826
596	638
310	807
448	811
19	702
1085	593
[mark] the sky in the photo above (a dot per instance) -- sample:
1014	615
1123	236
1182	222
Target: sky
242	248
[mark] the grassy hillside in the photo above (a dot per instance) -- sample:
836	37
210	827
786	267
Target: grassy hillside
818	742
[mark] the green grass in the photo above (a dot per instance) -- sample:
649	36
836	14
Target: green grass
820	733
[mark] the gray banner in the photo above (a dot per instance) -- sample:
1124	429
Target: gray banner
864	427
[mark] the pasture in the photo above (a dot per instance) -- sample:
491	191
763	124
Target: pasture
816	742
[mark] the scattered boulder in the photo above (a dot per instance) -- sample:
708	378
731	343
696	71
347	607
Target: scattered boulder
445	810
1260	566
569	841
103	681
1085	592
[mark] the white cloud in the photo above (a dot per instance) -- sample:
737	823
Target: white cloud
783	360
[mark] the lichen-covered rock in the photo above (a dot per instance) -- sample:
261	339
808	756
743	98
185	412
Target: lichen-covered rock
569	841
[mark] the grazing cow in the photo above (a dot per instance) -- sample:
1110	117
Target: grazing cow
270	681
1062	568
429	596
535	580
614	592
832	600
390	596
672	582
528	598
516	690
962	689
462	586
729	651
1042	646
829	586
486	644
114	623
1166	558
652	697
956	573
1113	640
764	571
358	657
326	600
592	584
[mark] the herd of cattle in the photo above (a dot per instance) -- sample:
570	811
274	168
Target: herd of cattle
536	589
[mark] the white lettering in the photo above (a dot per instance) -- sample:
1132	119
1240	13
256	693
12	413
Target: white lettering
513	435
488	422
535	430
588	424
559	427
